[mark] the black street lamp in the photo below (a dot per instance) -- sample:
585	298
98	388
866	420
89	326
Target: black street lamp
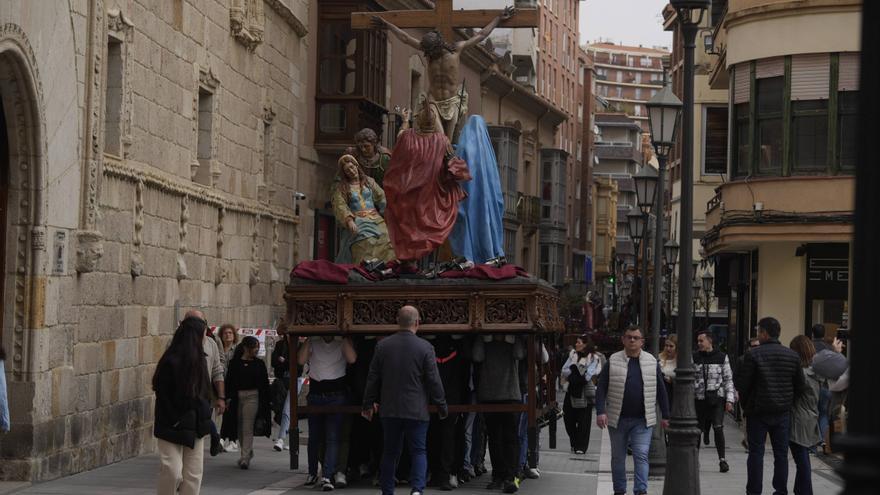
646	190
646	187
708	282
637	233
683	468
664	110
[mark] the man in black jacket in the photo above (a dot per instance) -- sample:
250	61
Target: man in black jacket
769	381
402	381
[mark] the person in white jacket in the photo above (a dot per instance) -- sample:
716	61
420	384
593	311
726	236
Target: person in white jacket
578	373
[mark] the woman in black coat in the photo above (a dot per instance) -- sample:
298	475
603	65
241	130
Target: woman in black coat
182	410
247	389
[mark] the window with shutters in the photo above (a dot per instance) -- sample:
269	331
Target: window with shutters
809	129
715	152
847	124
505	142
769	124
351	68
742	139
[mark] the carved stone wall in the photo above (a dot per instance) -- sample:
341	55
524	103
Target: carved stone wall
140	241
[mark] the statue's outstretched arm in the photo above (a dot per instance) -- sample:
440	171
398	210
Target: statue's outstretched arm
381	23
484	33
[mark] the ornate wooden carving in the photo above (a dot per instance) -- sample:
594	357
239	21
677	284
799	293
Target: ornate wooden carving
444	306
314	313
443	311
506	311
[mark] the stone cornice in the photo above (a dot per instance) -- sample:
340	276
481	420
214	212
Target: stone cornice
135	172
289	17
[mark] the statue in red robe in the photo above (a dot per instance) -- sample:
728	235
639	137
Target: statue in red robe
421	188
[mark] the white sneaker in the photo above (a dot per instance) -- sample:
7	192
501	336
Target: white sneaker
533	473
232	446
279	445
339	480
325	484
453	481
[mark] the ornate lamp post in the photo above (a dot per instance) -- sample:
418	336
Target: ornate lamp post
636	232
670	251
683	468
708	283
646	189
664	110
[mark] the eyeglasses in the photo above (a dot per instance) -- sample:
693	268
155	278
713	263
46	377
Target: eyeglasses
632	337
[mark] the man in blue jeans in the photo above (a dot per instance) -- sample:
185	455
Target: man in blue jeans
769	380
327	358
402	381
629	390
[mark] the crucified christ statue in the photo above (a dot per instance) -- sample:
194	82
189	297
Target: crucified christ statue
445	88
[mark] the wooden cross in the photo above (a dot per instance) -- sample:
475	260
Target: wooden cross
444	19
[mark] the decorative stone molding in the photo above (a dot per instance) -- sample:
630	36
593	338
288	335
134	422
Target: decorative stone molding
274	274
254	272
246	21
167	183
137	258
26	127
266	181
121	28
221	271
182	232
289	17
89	250
94	119
208	83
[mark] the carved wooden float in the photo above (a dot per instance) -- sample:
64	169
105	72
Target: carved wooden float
452	305
522	305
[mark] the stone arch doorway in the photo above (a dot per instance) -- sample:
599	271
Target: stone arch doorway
22	231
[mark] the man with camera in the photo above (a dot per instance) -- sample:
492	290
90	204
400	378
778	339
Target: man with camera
713	388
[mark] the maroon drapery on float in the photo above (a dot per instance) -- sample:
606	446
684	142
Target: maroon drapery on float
422	194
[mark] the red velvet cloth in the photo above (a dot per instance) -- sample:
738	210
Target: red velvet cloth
422	194
487	272
327	271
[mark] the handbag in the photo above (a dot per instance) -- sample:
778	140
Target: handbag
579	402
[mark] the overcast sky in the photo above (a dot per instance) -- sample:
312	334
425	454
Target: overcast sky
628	22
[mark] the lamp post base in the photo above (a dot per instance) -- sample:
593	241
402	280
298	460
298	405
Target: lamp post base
657	454
684	439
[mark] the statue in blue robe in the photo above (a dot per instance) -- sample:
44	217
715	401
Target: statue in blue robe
478	234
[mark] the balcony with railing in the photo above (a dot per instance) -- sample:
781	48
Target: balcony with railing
621	150
528	211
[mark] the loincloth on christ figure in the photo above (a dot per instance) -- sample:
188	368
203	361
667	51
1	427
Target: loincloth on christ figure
451	108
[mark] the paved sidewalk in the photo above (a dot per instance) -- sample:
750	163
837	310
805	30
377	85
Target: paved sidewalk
269	475
825	480
562	473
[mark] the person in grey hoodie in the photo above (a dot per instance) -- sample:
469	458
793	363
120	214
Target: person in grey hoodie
499	356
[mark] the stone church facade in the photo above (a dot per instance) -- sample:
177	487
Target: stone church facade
149	155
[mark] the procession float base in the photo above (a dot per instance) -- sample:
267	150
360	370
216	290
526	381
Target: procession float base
521	305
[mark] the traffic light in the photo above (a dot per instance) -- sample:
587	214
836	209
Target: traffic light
611	279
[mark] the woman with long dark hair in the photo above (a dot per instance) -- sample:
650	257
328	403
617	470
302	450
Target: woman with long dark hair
578	373
804	433
183	410
247	387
